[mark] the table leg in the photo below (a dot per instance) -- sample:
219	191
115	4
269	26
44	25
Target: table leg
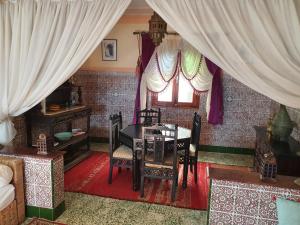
185	168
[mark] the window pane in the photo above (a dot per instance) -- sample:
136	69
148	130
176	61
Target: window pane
185	90
166	95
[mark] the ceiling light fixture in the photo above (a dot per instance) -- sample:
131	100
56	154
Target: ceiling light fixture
157	29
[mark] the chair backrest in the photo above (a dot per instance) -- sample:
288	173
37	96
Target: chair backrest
195	135
155	149
115	125
150	116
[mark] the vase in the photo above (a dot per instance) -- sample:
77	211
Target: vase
282	125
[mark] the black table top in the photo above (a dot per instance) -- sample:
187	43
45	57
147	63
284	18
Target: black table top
135	131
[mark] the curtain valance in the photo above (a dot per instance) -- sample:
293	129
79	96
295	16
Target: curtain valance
176	56
255	41
172	57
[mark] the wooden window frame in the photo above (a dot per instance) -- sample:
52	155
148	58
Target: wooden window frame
174	102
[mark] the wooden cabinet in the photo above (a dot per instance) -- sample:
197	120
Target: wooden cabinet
286	155
38	122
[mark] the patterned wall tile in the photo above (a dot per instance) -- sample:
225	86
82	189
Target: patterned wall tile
107	93
43	195
247	203
37	181
111	92
30	194
58	181
238	220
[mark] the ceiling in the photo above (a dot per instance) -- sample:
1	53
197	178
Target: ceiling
138	4
139	7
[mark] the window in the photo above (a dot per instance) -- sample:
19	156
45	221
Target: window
178	93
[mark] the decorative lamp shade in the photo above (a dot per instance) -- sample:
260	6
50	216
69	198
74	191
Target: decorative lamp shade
157	29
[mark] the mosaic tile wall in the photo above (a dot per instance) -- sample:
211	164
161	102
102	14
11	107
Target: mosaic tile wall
243	109
109	93
245	203
43	181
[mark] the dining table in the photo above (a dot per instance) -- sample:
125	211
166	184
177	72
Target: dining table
134	131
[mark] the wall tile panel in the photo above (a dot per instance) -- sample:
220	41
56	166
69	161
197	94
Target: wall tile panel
245	204
111	92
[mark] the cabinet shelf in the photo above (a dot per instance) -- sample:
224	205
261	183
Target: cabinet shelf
74	140
35	120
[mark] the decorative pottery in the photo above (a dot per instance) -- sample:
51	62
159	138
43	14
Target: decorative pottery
282	125
63	136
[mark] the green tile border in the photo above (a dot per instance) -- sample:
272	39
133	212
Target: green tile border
222	149
46	213
205	148
49	214
59	209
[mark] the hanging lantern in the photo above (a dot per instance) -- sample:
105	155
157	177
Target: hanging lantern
157	29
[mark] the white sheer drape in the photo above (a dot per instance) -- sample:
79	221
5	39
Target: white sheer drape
165	64
255	41
42	43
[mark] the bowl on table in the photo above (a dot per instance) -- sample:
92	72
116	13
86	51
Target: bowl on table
63	136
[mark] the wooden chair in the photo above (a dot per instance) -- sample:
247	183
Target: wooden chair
120	155
194	145
150	116
159	158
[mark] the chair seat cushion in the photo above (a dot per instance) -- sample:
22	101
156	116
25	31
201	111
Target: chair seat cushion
123	152
192	150
158	166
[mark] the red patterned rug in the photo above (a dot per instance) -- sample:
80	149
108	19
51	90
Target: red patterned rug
91	175
39	221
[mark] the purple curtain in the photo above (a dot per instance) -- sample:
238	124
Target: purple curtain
216	104
146	53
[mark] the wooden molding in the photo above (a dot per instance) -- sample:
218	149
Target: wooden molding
109	69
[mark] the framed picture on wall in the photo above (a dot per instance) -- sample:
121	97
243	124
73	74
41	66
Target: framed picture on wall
109	50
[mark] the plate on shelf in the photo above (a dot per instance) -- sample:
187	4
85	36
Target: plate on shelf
76	130
78	133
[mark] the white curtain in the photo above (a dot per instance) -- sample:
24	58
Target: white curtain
165	63
42	43
255	41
